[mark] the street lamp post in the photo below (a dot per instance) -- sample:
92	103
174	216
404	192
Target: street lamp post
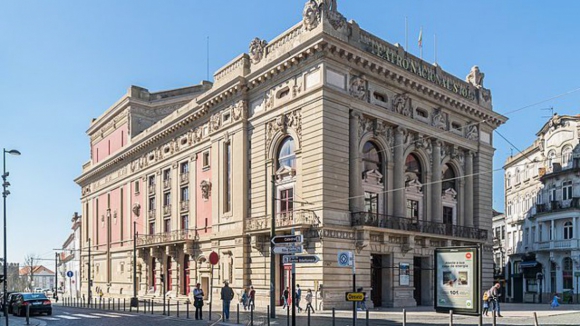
5	193
134	300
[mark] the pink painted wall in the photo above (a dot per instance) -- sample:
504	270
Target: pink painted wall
115	225
203	208
110	144
99	228
138	198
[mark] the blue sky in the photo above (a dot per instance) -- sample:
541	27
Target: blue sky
64	62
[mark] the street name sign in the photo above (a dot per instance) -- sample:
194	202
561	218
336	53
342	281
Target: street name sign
355	296
285	250
303	259
287	240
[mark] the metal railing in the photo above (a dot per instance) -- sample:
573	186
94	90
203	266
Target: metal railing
165	237
414	225
295	218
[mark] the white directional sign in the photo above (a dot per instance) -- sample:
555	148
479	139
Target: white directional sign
287	240
288	250
303	259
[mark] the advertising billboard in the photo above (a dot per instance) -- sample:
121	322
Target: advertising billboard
458	280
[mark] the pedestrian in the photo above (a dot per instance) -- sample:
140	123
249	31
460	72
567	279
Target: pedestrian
198	301
494	295
285	298
227	295
298	297
362	305
244	299
485	300
309	301
252	301
555	302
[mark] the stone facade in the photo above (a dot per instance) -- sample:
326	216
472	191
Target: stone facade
327	130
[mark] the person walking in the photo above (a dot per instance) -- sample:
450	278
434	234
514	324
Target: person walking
285	297
309	301
298	297
494	295
361	305
227	295
485	300
252	296
244	299
555	302
198	301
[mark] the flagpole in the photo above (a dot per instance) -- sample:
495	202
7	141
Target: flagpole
420	41
406	35
435	46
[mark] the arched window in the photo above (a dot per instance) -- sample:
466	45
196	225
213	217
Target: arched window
551	157
413	168
518	178
449	180
372	158
568	230
286	156
567	157
508	180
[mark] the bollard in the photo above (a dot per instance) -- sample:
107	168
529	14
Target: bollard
187	308
451	317
168	306
333	316
493	321
210	310
177	309
237	314
252	315
288	315
109	303
124	306
308	310
268	314
27	315
367	317
151	305
536	319
404	317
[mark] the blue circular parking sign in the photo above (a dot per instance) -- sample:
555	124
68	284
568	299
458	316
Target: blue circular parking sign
69	274
344	258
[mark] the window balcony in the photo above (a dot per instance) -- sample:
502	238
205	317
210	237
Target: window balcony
166	183
558	206
151	214
166	209
284	221
567	244
184	177
151	189
164	238
412	225
184	205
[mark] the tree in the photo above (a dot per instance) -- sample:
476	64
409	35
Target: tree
30	265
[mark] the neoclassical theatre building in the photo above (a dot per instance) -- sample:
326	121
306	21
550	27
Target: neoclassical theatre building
326	131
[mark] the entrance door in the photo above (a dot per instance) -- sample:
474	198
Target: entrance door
376	280
417	273
185	275
518	289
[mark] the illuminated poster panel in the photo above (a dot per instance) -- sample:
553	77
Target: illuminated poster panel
457	280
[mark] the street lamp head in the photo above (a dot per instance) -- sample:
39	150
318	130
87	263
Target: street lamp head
12	151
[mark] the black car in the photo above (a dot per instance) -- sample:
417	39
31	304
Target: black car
37	303
10	301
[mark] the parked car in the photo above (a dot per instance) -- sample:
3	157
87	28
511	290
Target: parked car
38	303
10	301
2	299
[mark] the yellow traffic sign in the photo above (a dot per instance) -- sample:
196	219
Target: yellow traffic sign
355	296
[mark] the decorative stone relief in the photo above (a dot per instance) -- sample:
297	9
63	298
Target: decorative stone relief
402	105
205	186
413	186
365	125
197	134
472	132
282	122
311	15
257	50
215	121
269	99
475	77
239	110
358	87
136	209
439	119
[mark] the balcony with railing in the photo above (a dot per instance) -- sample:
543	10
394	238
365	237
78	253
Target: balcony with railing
413	225
184	205
151	213
566	244
152	189
558	206
166	183
167	209
177	236
284	221
184	177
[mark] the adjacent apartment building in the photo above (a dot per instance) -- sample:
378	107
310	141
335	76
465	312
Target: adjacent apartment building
69	261
542	196
327	131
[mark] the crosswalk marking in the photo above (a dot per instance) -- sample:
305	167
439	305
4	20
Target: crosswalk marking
107	315
67	317
121	314
86	316
48	318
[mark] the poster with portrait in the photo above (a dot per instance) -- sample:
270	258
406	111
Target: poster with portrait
404	274
457	280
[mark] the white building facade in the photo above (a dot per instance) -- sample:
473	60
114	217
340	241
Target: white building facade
542	196
69	267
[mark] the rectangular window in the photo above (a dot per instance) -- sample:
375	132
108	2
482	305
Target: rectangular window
503	232
136	187
184	222
184	168
151	203
166	199
167	225
447	215
205	159
151	227
567	190
228	177
286	201
166	174
184	194
412	209
371	202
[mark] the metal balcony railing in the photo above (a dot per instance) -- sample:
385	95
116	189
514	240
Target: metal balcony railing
151	214
166	209
167	237
184	177
567	244
413	225
166	183
556	206
151	189
184	205
298	218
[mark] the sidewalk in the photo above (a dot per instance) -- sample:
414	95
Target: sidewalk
19	321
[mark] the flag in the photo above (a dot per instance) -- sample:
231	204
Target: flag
420	40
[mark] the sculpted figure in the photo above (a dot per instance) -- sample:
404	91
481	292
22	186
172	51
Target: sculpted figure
475	77
257	48
439	119
358	87
311	15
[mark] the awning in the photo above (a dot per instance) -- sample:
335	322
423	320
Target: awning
528	264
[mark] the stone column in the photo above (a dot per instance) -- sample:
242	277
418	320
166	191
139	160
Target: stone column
356	191
460	202
436	186
399	204
469	189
